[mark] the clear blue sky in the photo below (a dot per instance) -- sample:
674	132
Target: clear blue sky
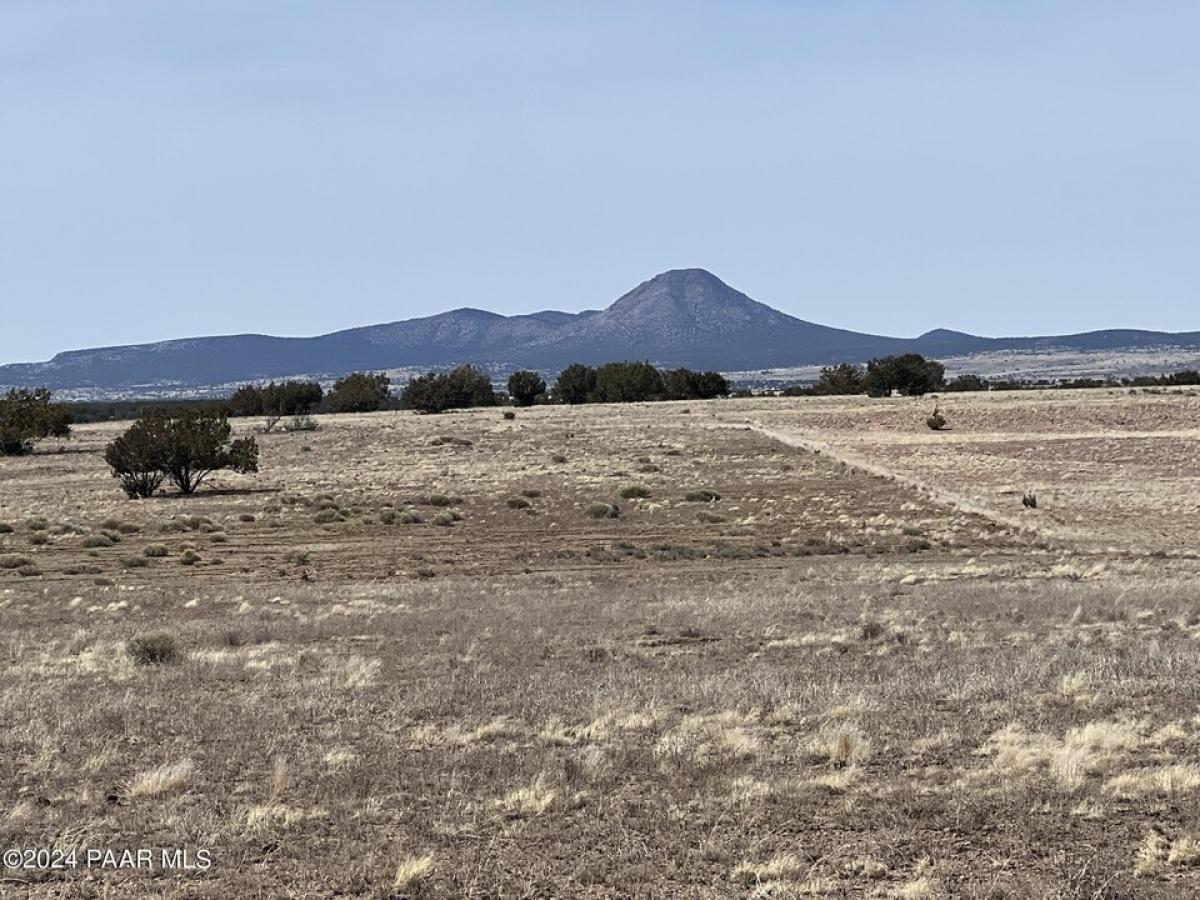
178	168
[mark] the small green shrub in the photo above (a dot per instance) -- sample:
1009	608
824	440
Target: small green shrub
189	558
135	562
440	500
39	539
600	510
29	570
13	560
518	503
635	492
156	551
97	540
408	517
558	458
153	650
702	495
709	518
444	519
327	516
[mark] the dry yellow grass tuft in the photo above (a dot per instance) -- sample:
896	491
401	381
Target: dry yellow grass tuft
162	779
411	871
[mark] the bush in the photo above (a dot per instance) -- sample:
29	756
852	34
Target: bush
635	492
359	392
518	503
702	495
576	384
910	374
685	384
968	383
186	447
156	551
288	398
460	388
153	650
525	387
842	379
509	415
27	417
628	382
13	561
603	510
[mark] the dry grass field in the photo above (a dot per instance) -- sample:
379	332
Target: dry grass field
760	648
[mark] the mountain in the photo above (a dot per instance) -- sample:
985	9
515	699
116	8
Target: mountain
685	317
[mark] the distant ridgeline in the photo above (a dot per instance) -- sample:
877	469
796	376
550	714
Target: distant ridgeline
683	318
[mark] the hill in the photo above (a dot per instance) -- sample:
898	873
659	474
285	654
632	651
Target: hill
684	317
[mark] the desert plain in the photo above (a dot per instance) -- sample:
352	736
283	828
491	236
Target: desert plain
736	648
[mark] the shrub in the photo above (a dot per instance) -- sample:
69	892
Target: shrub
156	551
460	388
326	516
359	392
576	384
444	519
189	558
185	446
449	439
518	503
635	491
13	561
288	398
5	528
967	383
558	458
27	417
440	500
844	378
525	387
910	374
135	562
97	540
685	384
153	650
29	570
531	493
701	495
628	382
509	415
600	510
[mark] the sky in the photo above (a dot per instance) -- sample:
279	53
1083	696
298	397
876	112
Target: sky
171	169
